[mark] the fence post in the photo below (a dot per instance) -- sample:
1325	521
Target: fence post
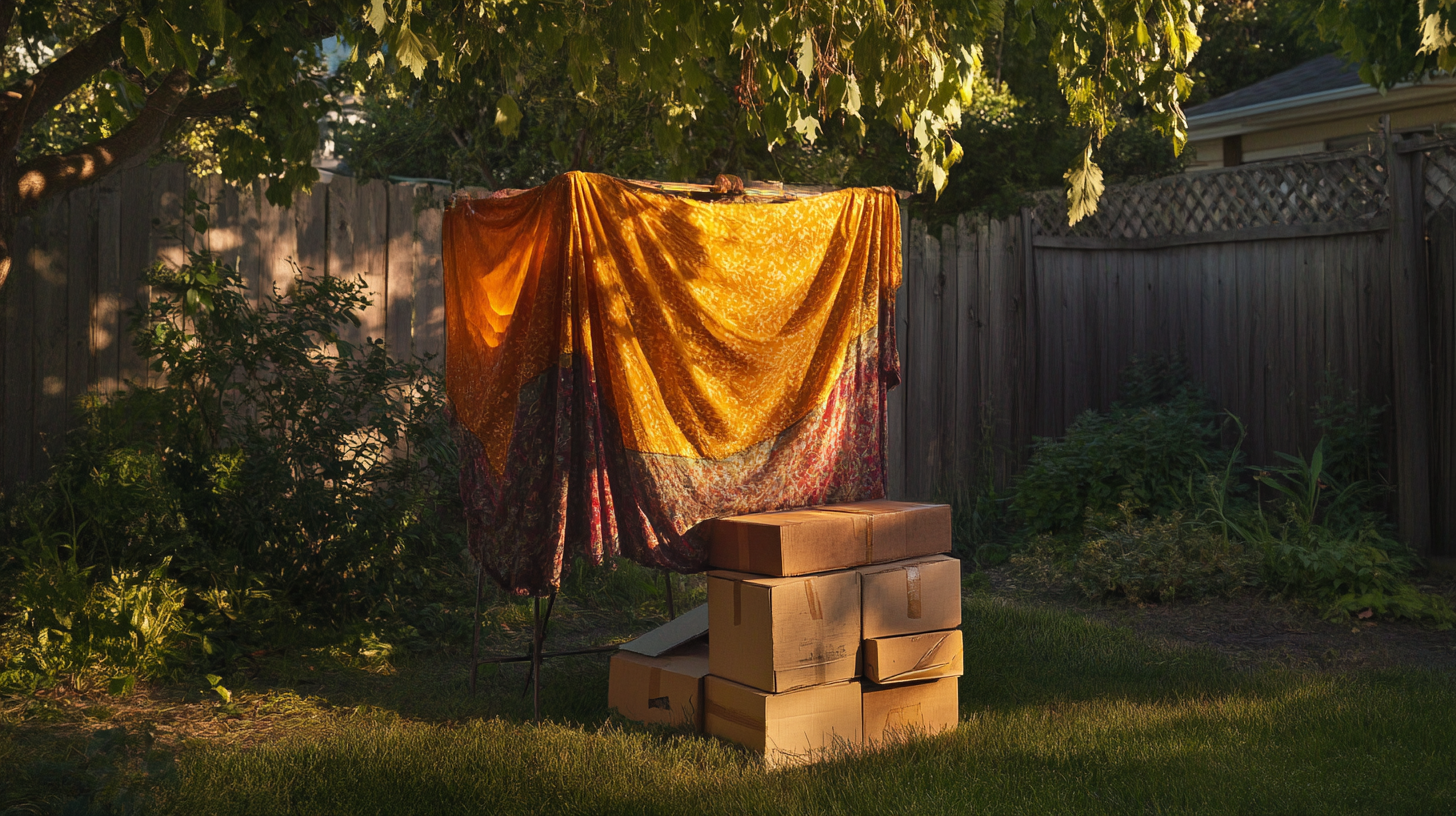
1410	347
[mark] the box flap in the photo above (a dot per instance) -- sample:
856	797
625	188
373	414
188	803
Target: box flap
679	631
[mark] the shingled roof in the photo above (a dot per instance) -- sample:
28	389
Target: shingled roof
1327	73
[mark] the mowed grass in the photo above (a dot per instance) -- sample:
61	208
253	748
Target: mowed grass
1059	715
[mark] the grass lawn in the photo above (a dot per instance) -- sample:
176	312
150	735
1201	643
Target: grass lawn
1060	714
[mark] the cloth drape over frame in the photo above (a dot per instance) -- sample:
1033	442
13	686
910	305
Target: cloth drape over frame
623	365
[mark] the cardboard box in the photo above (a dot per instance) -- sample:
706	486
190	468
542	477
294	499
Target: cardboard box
911	596
666	689
673	635
905	658
788	728
777	634
893	713
829	537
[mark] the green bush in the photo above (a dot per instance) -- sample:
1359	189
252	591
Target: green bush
64	626
1146	455
1321	544
286	476
1163	558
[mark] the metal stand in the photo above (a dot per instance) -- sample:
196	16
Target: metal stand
539	625
671	612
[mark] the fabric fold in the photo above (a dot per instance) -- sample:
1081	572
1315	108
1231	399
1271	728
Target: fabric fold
623	365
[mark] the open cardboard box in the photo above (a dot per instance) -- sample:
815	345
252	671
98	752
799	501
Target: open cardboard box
658	678
666	690
829	537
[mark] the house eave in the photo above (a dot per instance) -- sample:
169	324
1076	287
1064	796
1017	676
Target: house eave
1309	108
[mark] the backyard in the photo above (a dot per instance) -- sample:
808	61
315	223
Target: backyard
1067	706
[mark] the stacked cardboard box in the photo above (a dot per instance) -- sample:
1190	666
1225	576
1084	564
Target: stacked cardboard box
806	602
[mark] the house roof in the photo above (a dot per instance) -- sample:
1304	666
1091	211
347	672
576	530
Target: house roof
1319	75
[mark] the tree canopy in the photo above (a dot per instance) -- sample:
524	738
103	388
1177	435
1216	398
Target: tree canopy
92	87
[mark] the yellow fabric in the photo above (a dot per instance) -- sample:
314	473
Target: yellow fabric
715	326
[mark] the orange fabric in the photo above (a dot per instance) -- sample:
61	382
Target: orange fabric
714	326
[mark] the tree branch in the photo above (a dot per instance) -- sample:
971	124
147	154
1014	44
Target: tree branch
205	106
49	86
7	16
46	176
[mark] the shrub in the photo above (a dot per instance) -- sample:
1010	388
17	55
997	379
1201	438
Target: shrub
285	474
1163	558
65	627
1146	455
1319	543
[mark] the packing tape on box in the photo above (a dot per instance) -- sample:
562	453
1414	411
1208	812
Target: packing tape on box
728	714
816	609
745	558
912	592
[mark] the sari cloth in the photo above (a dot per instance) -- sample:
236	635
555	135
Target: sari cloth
623	365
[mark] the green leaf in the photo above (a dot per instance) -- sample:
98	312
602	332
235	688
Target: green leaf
507	116
852	100
413	52
121	686
1084	188
806	57
377	17
134	46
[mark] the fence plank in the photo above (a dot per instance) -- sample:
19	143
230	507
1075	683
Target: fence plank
19	299
49	264
135	252
310	225
965	414
947	296
80	297
371	253
429	271
399	286
107	318
923	457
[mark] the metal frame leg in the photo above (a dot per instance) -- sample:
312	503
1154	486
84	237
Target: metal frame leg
475	642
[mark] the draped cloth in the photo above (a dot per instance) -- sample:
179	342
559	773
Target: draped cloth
623	365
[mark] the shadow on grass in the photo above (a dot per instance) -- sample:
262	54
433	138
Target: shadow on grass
1059	715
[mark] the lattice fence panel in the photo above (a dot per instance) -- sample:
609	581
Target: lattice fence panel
1343	187
1440	172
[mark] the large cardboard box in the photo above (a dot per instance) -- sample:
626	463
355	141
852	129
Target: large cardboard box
829	537
777	634
911	596
788	728
666	689
898	712
904	658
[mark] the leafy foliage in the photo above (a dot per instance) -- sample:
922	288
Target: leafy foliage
66	626
1147	455
280	476
1163	559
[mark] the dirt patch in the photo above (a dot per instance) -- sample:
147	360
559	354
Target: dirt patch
1255	631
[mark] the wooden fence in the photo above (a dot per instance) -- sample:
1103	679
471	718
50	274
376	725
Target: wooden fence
1266	277
80	261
